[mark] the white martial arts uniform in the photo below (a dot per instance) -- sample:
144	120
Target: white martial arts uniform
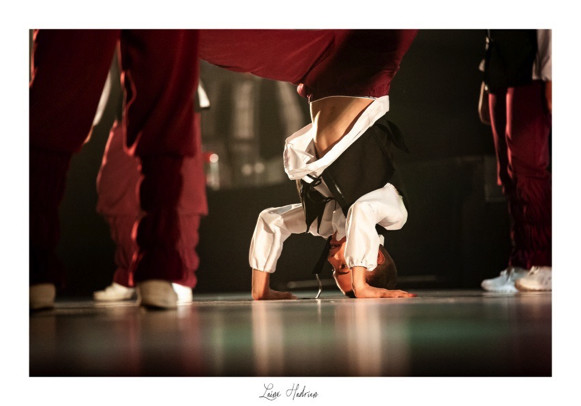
382	206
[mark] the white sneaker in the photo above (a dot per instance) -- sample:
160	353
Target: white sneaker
539	278
505	283
114	293
184	293
157	293
41	296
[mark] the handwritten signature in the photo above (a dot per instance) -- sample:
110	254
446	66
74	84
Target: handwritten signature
294	392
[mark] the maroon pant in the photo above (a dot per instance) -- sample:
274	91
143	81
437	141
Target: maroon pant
521	126
118	203
321	62
69	70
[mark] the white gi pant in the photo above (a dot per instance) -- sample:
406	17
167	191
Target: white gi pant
382	206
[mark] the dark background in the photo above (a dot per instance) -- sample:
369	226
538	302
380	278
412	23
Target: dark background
457	231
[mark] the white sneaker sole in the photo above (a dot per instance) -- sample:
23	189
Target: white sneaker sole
497	289
104	297
522	288
184	293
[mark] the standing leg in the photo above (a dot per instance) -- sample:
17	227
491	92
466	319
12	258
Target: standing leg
192	206
160	77
498	121
69	69
521	127
118	204
527	135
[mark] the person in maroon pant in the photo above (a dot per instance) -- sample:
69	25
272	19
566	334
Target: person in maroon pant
518	106
118	203
160	73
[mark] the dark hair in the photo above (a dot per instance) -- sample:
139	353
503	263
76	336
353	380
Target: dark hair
384	276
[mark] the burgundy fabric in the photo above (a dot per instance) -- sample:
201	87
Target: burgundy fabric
187	244
119	176
362	63
69	69
321	62
121	230
118	202
160	69
285	55
521	127
158	230
160	74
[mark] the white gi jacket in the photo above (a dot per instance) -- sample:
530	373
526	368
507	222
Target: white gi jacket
383	206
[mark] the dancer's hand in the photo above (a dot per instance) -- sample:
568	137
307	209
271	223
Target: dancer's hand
368	291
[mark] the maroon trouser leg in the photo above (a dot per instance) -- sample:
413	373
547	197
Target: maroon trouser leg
521	128
119	204
322	62
160	76
69	69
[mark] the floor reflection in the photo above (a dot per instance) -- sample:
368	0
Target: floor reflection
267	340
436	334
375	344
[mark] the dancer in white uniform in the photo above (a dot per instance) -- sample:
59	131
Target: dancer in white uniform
356	231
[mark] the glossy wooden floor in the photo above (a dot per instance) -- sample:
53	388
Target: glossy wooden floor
439	333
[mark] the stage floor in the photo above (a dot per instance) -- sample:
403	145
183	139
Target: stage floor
438	333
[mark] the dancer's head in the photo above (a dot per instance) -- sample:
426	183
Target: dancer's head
383	276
